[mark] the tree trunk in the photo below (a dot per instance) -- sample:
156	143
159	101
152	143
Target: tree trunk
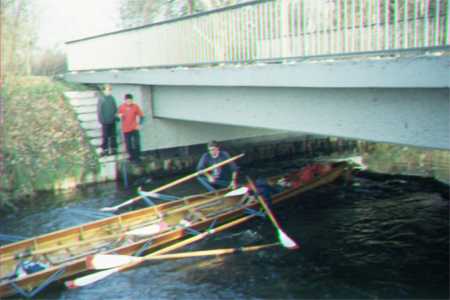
15	32
190	6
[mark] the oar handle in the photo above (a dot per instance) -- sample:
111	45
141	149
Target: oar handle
210	252
202	235
191	240
107	261
186	178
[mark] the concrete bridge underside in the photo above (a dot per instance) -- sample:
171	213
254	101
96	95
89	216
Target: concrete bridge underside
400	100
382	115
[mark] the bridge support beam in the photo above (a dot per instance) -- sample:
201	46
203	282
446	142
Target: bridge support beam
418	117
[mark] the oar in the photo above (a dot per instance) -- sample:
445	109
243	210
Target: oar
11	238
237	192
285	240
174	183
91	278
108	261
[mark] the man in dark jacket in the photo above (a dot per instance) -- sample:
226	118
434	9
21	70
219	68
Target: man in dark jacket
106	113
220	177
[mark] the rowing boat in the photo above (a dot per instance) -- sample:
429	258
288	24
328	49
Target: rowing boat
29	266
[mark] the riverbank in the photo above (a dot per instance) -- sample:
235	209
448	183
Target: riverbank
403	160
42	142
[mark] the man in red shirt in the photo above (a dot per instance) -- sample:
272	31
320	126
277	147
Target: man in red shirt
131	115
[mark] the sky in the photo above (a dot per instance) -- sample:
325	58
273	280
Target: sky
64	20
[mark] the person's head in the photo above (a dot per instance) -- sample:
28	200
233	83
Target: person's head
107	89
129	98
214	149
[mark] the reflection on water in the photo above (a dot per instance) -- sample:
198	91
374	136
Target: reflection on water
378	237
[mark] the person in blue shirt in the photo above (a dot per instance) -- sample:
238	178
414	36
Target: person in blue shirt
225	176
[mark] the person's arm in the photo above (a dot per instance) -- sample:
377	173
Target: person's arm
202	164
138	123
114	105
234	169
99	110
139	116
234	183
120	112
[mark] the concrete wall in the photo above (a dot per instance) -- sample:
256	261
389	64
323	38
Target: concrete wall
167	162
391	159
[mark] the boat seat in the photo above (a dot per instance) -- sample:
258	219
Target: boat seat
48	259
195	215
247	199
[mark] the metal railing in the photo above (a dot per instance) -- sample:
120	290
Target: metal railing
279	29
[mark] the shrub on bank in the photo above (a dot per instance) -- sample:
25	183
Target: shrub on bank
42	141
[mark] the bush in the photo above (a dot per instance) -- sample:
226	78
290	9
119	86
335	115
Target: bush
43	142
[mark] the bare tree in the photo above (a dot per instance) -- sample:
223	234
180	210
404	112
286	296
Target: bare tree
50	62
140	12
18	37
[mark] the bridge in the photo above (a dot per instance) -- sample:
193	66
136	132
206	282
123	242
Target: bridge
375	70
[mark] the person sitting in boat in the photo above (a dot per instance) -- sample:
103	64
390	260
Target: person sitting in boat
220	177
304	175
265	189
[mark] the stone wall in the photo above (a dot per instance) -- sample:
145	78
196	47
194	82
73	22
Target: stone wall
394	159
281	146
379	158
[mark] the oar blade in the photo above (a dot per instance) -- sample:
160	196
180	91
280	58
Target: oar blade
148	230
238	192
286	241
108	261
108	209
89	279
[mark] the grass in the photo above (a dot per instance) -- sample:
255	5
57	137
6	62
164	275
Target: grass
43	143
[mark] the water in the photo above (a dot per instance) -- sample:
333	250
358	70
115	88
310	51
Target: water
378	237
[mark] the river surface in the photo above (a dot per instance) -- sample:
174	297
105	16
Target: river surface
377	237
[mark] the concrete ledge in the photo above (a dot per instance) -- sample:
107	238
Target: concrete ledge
393	71
81	94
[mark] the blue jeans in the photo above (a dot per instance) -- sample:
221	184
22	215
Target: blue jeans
109	141
212	186
133	142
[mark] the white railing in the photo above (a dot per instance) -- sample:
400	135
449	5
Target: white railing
279	29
